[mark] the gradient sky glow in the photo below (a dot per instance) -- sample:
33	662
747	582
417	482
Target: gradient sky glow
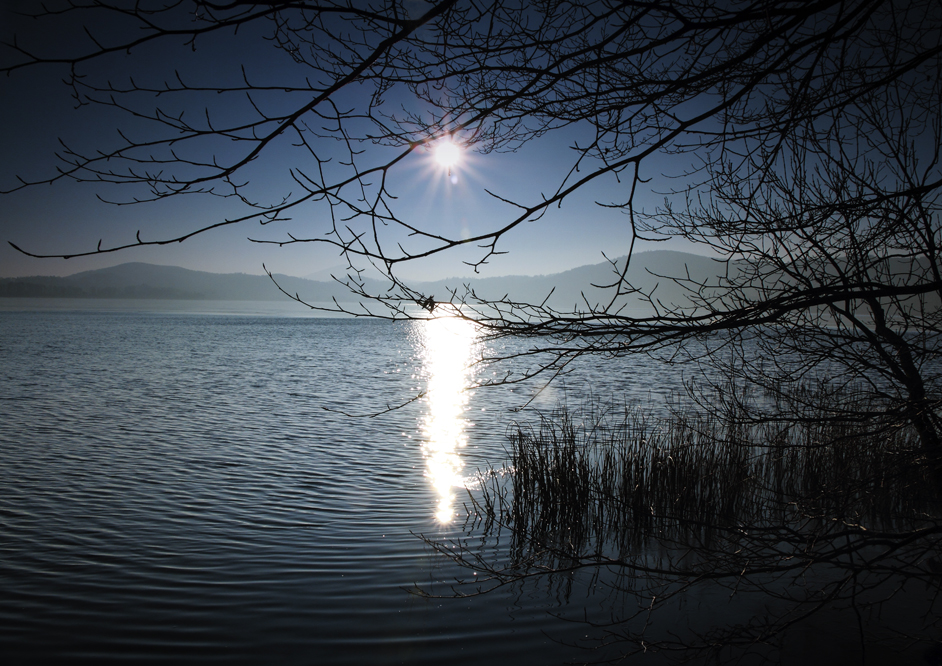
70	217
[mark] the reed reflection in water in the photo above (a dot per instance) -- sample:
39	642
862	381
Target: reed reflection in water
448	342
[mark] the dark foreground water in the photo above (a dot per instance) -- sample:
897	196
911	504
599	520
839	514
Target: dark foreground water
186	487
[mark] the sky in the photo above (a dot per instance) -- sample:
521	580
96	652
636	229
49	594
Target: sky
68	217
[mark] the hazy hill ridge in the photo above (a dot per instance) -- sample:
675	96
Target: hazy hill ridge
141	280
150	281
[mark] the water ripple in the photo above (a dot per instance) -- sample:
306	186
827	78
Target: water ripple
177	487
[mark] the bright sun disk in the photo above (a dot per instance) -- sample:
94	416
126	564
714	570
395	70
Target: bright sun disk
447	154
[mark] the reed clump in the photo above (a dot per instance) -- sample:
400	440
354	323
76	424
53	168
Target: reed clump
609	481
791	515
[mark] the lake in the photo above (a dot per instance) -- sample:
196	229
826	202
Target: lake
186	485
200	482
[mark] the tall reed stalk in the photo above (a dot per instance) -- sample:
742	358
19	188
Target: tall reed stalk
608	481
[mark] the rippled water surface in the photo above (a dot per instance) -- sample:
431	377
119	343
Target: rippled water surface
187	487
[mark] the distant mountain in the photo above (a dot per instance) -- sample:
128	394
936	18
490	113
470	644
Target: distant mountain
572	287
140	280
324	274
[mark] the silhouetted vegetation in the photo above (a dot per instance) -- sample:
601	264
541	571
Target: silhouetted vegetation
809	516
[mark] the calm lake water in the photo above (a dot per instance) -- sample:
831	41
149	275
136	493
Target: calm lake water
190	482
183	485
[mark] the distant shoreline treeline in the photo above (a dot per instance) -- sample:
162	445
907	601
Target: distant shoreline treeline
149	281
569	288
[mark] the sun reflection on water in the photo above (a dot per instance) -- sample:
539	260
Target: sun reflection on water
448	345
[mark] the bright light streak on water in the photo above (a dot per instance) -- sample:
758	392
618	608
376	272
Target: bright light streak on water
448	345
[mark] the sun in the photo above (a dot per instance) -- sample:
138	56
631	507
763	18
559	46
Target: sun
447	154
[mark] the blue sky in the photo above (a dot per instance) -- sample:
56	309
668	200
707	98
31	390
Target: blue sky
70	217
